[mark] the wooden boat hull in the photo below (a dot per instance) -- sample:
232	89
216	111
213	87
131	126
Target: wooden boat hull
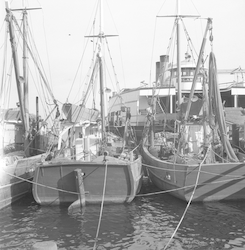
14	179
216	182
55	183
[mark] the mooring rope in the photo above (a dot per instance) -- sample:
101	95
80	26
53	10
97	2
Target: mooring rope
190	200
101	208
39	184
235	178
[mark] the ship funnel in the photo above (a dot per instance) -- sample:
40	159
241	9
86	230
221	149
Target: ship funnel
163	63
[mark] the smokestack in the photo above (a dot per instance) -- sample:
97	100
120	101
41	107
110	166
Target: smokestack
163	62
157	70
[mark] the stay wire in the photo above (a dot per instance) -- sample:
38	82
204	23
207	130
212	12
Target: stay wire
139	195
120	49
86	44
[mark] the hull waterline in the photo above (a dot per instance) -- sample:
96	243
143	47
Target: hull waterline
215	182
55	183
15	179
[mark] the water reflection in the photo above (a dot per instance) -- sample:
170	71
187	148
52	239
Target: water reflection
146	223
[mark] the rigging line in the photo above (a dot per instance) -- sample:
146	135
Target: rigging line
196	184
120	49
38	130
37	86
189	39
164	68
50	75
114	71
88	92
30	32
39	91
35	62
195	8
101	208
39	184
171	39
89	76
38	62
161	7
93	77
183	171
81	60
86	78
118	97
9	85
38	58
4	64
190	186
77	70
124	80
1	29
138	195
152	51
87	81
108	73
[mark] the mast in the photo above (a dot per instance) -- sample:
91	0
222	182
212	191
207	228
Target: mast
102	96
101	36
21	82
209	24
177	19
179	94
25	87
102	102
9	19
37	126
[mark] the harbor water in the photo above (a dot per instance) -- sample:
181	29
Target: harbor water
146	223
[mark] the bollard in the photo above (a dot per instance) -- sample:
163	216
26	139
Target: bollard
45	245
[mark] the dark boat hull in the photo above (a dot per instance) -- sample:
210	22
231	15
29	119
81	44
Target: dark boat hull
15	179
216	182
55	183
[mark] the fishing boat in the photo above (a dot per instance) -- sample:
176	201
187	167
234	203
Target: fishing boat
195	162
23	141
136	100
90	165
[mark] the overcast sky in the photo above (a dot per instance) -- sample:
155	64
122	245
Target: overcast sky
59	30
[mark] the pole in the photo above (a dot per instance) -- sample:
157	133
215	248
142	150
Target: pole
25	87
179	94
9	18
37	126
102	97
197	69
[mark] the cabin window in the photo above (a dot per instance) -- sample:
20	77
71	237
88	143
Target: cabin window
143	111
186	79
